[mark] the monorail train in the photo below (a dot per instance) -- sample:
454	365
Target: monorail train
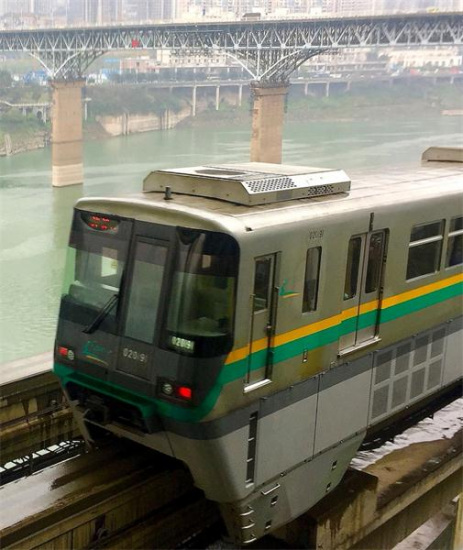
256	321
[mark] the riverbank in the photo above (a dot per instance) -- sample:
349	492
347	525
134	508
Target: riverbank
112	113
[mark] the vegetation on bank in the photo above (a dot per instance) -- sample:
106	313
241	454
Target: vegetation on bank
32	93
115	100
364	100
21	127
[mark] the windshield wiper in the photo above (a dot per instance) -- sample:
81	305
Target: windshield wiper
101	314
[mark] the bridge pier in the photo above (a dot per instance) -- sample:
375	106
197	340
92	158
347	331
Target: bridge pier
267	122
193	101
66	133
327	89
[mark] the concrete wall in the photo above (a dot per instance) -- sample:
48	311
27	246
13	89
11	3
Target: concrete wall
133	123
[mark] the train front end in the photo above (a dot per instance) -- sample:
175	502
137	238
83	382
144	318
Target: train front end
145	323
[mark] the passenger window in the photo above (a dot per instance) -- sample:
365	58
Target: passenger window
425	249
455	243
375	260
262	283
311	279
352	271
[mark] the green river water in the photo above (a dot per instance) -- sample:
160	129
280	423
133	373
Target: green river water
35	218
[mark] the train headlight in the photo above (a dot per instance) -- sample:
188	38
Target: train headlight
66	353
167	388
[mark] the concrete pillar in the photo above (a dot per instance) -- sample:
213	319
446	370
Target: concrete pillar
240	95
306	88
217	98
458	531
193	102
327	89
267	122
66	133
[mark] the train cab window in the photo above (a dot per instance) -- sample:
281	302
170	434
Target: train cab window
201	304
145	290
425	248
455	243
95	262
352	271
262	278
311	279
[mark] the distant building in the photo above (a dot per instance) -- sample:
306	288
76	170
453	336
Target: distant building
422	5
20	13
94	12
346	7
422	58
43	7
149	10
18	6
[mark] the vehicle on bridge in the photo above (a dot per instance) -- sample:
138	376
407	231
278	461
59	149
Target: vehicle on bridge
259	321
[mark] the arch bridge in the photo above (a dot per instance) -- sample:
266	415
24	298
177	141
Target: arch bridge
269	50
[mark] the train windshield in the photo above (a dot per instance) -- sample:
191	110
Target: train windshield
202	302
95	262
152	284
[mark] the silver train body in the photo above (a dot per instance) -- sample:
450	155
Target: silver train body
294	312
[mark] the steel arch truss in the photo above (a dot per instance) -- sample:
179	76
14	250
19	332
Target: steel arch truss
270	65
270	49
66	65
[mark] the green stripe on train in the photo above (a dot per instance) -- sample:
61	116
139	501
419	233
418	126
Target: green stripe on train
238	369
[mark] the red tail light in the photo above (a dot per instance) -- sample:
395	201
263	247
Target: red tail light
184	392
66	353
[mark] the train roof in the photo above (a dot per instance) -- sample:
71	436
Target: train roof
440	174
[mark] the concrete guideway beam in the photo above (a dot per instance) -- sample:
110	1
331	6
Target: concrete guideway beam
33	411
77	503
380	507
67	133
267	122
37	433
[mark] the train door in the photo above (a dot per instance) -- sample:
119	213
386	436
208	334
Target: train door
143	299
263	305
362	289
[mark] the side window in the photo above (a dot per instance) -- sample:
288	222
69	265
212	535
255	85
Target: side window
352	271
424	250
455	243
262	283
311	279
375	261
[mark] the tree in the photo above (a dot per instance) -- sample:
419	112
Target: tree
6	79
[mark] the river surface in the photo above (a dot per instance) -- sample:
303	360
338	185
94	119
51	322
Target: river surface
35	218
